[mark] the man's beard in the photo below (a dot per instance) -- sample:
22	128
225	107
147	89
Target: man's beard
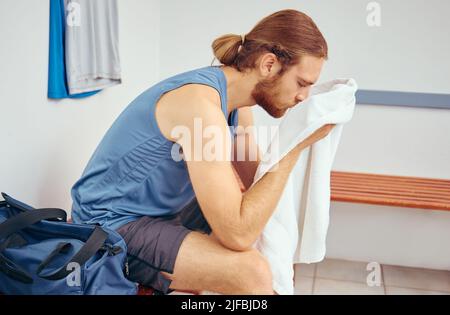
266	94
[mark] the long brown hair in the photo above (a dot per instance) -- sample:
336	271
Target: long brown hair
289	34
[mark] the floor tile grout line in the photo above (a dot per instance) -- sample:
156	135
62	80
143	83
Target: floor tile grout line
341	280
314	279
384	285
425	290
382	278
415	288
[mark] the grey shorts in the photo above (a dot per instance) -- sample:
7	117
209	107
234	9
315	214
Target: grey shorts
153	244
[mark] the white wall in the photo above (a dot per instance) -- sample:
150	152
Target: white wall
379	139
46	144
408	52
389	235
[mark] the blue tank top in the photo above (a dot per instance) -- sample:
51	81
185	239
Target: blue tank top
132	173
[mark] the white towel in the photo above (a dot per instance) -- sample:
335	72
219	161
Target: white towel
297	230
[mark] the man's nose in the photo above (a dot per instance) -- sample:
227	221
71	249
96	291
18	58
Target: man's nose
302	95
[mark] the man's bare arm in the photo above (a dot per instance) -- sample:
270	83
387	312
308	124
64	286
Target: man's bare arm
246	151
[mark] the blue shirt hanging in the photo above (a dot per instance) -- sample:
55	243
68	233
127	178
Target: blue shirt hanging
57	81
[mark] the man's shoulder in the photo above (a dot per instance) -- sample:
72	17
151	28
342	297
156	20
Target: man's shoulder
195	100
199	93
187	103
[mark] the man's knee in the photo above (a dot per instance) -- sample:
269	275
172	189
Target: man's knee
255	273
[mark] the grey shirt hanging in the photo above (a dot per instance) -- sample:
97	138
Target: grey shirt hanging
91	45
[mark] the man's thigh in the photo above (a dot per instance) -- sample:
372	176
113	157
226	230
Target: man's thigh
203	264
181	252
153	244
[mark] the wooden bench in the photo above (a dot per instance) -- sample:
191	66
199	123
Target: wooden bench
397	191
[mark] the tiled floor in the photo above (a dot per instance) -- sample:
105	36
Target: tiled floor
332	276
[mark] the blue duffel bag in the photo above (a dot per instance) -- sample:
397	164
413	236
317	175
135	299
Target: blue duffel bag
40	253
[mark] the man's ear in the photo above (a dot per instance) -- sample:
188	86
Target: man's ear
268	65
